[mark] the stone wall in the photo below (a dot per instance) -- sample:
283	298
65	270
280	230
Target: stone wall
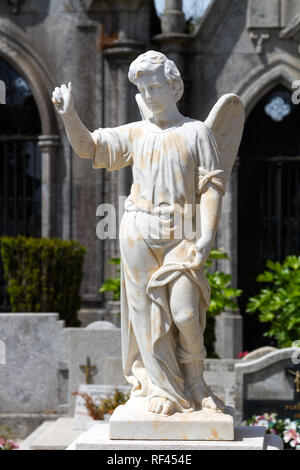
46	363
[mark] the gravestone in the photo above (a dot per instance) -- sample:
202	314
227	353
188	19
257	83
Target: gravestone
269	384
101	325
94	357
30	383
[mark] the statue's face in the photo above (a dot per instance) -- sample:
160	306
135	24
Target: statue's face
157	94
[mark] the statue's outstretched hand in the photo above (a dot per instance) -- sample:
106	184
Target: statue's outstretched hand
62	98
198	253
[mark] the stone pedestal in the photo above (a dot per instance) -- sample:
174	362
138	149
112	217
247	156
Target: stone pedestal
134	421
229	333
245	438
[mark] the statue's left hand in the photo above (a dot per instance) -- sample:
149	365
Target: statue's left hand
198	253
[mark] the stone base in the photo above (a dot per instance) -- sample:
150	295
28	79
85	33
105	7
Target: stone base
22	424
245	438
57	435
134	421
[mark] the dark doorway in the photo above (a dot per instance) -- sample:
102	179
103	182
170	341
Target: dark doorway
268	197
20	162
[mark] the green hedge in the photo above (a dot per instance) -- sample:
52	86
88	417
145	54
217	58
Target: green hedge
43	275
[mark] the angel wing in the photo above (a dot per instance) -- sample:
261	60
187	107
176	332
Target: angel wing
226	122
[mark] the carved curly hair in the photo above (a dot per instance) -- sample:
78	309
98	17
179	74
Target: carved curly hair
150	62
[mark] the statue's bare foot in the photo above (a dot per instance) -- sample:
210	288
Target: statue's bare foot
205	398
161	406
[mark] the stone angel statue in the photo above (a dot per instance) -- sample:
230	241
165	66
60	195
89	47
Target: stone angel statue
180	167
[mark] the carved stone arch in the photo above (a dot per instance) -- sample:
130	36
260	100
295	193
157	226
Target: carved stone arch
15	50
257	85
262	80
283	70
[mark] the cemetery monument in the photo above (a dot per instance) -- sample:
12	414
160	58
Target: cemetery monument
180	168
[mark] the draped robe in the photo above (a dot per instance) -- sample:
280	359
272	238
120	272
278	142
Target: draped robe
171	169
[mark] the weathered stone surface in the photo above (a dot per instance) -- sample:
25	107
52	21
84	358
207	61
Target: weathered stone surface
34	347
133	421
99	347
220	376
23	424
110	313
257	353
266	14
52	436
2	353
101	325
246	438
25	445
228	330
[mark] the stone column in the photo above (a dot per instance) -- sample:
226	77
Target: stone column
119	56
173	40
48	145
229	325
229	335
173	20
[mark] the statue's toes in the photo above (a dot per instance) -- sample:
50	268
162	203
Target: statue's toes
208	402
213	404
161	406
155	406
168	408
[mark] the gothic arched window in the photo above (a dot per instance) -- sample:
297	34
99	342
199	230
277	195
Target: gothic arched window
20	162
269	171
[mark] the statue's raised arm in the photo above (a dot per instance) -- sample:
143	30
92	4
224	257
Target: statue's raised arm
107	148
226	122
79	136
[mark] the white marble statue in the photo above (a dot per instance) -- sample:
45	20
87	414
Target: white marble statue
180	168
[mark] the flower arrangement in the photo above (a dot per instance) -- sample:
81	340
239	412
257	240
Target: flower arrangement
288	430
106	405
6	442
242	354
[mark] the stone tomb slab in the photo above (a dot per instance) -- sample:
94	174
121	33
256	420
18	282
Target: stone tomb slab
246	438
133	421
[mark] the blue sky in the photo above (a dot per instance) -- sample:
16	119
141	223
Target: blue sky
189	6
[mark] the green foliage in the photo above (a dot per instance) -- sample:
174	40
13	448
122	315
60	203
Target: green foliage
43	275
222	294
278	302
113	284
222	297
